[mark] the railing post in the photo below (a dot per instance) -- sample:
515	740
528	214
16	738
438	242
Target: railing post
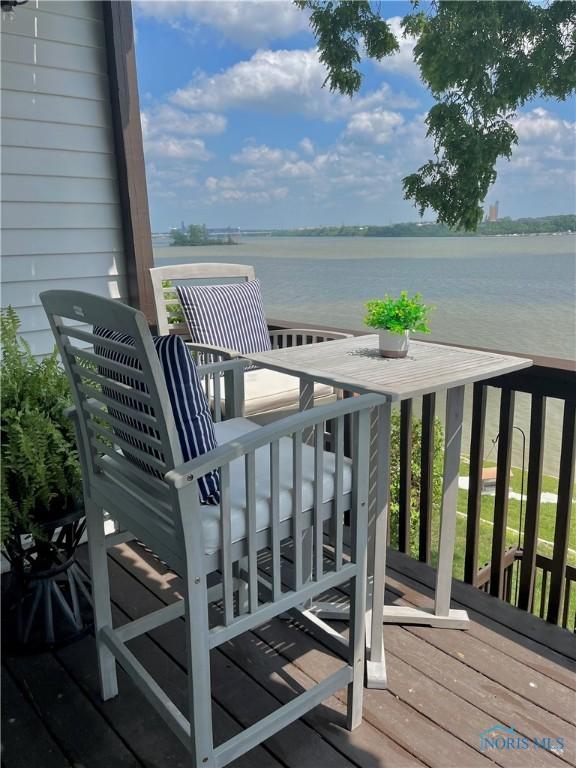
502	484
475	482
426	477
563	510
533	489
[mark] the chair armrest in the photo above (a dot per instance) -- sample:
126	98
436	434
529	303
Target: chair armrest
188	472
222	366
316	335
209	349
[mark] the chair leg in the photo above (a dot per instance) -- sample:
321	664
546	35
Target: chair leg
357	653
101	597
199	687
241	570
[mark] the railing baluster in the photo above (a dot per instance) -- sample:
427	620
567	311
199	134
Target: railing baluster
501	499
404	510
533	490
318	500
567	588
297	506
338	490
475	483
217	398
563	510
426	477
543	592
275	518
250	473
226	544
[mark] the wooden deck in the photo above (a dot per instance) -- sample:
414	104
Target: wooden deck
445	688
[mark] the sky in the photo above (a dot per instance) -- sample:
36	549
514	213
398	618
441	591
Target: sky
238	130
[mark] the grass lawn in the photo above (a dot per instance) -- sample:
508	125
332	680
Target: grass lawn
545	532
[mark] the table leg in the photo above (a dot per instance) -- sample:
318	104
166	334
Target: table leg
377	540
442	615
453	430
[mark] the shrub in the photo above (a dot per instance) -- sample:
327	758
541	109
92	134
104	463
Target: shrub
40	473
437	473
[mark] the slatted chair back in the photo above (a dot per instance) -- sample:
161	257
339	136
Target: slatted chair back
168	311
121	400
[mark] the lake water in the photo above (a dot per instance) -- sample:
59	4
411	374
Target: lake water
515	294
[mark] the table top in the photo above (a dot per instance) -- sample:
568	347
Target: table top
355	364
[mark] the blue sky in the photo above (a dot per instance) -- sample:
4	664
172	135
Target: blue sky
238	130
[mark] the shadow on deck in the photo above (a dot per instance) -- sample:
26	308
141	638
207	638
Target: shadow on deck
446	687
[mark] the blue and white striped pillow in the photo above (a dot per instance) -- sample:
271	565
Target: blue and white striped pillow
230	316
191	412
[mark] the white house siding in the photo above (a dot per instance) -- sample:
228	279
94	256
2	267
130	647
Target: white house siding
61	220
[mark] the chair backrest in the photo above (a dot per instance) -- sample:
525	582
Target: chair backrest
121	401
167	306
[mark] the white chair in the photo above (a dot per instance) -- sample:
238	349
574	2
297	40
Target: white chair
265	391
273	488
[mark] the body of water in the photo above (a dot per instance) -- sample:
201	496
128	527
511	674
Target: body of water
514	294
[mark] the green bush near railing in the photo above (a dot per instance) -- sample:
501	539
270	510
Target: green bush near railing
437	474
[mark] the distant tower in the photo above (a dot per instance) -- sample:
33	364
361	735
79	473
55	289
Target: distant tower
182	227
493	212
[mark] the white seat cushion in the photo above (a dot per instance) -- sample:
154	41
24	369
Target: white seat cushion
266	391
228	430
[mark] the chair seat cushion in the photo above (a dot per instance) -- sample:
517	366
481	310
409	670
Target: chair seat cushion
229	316
234	428
266	391
192	415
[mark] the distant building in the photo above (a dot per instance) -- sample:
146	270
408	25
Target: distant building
493	212
182	227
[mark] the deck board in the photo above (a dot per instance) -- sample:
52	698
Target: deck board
445	687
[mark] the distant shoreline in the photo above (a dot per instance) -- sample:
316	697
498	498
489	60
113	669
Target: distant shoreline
544	225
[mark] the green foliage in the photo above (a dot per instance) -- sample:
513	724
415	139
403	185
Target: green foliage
398	315
437	474
482	60
504	226
176	316
40	473
340	29
197	234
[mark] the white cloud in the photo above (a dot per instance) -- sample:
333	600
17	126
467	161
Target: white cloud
375	127
401	62
177	149
283	82
539	124
544	156
306	146
247	23
262	156
165	119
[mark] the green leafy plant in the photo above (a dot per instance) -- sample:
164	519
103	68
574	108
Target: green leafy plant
415	478
175	314
40	473
406	313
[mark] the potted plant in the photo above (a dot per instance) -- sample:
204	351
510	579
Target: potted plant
394	318
42	516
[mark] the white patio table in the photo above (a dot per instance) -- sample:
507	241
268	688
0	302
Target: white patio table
355	365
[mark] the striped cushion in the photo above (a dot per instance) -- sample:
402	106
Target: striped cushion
191	412
230	316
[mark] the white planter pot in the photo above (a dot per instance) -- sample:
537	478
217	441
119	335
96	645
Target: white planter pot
393	344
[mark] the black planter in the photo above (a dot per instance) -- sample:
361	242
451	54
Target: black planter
46	600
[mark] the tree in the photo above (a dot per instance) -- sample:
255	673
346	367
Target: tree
481	60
